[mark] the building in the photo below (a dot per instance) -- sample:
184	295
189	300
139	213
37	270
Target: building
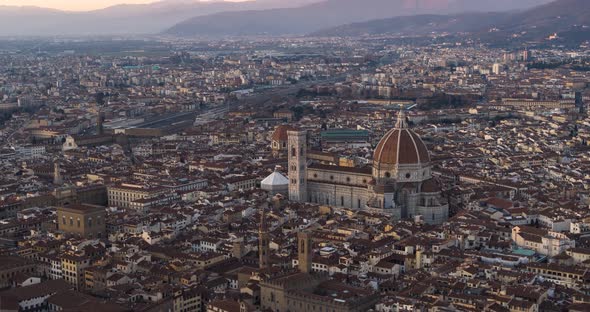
31	151
303	291
191	299
263	242
284	114
123	195
496	69
580	103
73	269
547	243
84	220
345	137
279	140
400	182
275	183
11	266
34	297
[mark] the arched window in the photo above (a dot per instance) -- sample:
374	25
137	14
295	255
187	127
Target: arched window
293	152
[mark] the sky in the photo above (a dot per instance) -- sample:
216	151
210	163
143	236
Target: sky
74	5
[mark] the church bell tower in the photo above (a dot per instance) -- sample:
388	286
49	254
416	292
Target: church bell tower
297	144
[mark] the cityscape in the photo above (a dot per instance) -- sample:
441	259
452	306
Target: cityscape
313	155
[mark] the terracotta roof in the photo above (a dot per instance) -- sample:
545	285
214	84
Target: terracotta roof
280	133
401	146
430	186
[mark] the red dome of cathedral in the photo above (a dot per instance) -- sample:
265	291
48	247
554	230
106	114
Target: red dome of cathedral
280	133
401	146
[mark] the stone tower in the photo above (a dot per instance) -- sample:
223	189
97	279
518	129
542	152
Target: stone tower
580	103
263	241
297	144
99	123
305	252
57	179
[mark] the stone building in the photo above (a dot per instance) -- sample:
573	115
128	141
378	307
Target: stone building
303	291
87	221
399	182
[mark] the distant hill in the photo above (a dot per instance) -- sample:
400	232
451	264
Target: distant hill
418	25
558	16
564	17
150	18
330	13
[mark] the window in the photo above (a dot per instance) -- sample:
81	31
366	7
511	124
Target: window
408	175
293	152
388	175
78	222
342	201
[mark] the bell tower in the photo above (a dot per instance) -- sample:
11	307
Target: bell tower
304	251
57	178
263	241
297	144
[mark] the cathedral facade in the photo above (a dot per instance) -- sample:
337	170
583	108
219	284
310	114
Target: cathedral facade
399	182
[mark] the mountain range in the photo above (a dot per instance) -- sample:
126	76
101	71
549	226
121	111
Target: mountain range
529	19
150	18
331	13
565	17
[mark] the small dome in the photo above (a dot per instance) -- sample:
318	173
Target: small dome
280	133
430	186
275	179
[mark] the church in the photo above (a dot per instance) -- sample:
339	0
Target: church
398	183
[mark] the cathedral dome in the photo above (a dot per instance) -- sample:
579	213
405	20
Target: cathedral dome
401	146
280	133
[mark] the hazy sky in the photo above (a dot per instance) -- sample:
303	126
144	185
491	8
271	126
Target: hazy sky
74	5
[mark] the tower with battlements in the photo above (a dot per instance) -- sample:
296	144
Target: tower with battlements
57	178
304	251
263	241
